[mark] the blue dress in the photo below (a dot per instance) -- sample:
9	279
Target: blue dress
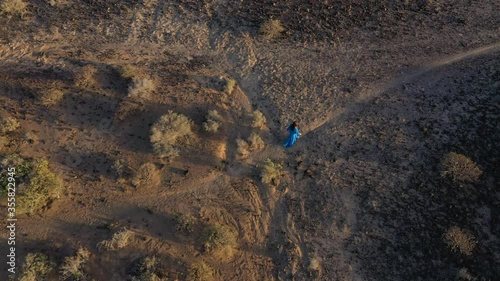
294	135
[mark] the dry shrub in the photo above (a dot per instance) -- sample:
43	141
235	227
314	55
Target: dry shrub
243	150
128	72
4	143
147	175
85	76
56	2
14	7
119	240
146	270
459	240
255	142
36	267
43	187
121	168
218	238
168	132
51	97
229	86
271	172
8	125
141	88
200	272
259	120
73	267
271	29
185	223
213	122
459	168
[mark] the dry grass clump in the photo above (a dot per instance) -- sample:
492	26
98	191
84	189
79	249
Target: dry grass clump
168	132
459	168
229	86
51	97
8	125
4	143
271	29
146	270
243	150
43	187
121	168
36	267
73	267
128	72
185	223
14	7
216	237
85	76
255	142
200	272
213	122
271	172
147	175
258	119
141	88
119	240
459	240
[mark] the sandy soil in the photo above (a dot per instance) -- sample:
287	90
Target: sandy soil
382	91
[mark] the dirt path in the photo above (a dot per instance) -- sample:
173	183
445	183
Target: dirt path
372	92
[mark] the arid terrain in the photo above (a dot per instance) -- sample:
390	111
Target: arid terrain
147	138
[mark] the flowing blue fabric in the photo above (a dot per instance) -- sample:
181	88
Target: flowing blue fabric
294	135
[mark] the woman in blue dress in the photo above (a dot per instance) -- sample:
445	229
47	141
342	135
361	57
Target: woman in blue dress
294	134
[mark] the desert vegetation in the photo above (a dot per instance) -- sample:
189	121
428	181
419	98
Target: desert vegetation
119	240
169	132
229	85
147	175
8	125
73	268
258	119
219	239
272	28
213	122
200	272
39	185
151	133
85	76
14	7
271	172
460	241
146	270
459	168
141	88
36	267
